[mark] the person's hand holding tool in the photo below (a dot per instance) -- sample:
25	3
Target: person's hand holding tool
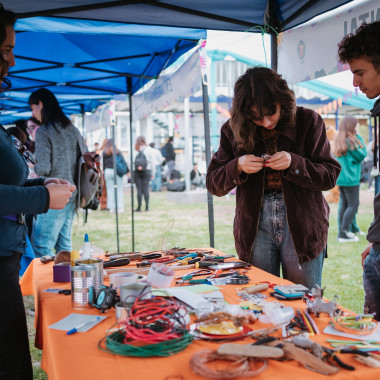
279	161
250	163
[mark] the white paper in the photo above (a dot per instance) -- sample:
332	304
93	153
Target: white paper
374	336
191	299
73	320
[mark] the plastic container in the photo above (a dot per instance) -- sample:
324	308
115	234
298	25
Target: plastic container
86	248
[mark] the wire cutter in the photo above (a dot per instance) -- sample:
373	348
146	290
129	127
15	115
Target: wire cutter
199	272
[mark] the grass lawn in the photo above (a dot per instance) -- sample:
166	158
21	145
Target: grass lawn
168	225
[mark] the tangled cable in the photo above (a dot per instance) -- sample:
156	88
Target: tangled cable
153	327
354	324
239	366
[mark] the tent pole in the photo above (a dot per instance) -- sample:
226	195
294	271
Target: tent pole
208	159
274	52
115	182
129	91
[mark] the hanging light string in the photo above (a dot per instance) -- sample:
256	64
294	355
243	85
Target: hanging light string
263	31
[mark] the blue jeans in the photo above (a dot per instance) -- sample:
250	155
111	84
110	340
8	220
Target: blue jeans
53	231
273	246
377	184
371	282
157	180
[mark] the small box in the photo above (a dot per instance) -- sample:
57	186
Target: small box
62	272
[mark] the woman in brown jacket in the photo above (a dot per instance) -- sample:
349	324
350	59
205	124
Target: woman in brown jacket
278	157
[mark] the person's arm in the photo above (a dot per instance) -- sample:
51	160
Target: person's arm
316	169
226	171
43	153
28	200
360	152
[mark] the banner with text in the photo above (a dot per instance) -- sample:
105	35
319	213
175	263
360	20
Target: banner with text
310	52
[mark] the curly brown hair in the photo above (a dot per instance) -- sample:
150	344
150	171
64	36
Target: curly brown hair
7	18
261	88
364	42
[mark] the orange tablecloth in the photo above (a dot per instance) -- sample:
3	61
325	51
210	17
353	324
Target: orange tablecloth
78	357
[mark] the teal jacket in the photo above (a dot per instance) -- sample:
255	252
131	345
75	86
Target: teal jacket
351	165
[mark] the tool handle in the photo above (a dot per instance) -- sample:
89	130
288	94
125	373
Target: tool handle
130	256
256	288
116	263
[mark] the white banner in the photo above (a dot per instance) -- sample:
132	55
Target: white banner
186	81
310	52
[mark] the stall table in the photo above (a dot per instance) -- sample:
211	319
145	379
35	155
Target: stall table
77	356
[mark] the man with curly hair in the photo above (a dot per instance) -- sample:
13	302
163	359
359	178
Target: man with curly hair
361	50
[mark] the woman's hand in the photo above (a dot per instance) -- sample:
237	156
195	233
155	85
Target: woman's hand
59	194
279	161
365	253
250	164
58	181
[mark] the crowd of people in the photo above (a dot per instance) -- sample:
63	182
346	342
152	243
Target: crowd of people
274	153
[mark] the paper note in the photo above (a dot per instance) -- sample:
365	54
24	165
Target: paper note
73	320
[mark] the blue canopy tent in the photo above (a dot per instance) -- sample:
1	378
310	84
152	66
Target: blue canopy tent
271	16
81	61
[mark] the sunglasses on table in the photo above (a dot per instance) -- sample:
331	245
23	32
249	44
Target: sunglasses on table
24	151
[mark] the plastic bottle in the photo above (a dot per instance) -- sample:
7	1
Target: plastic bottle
86	248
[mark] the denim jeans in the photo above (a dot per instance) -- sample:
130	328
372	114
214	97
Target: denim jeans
53	231
157	180
110	185
348	206
371	282
273	247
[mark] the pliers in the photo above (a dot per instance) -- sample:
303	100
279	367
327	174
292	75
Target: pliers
332	354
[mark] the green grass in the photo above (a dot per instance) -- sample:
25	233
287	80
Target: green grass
169	225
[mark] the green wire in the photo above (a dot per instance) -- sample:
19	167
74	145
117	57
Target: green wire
114	345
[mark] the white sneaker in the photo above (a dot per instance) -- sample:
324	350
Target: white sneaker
347	237
360	233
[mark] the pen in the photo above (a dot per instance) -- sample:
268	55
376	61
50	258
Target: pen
75	329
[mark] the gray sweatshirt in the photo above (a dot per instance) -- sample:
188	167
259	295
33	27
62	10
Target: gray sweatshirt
57	153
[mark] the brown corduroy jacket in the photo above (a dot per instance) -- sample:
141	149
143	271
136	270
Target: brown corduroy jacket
312	170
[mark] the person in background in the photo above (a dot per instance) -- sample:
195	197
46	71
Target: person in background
278	157
109	177
169	154
197	179
157	160
349	149
361	50
32	125
18	195
142	175
96	148
18	133
57	152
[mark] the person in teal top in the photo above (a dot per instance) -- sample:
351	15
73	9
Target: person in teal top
350	150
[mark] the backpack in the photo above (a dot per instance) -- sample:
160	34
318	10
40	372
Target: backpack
89	182
141	162
121	165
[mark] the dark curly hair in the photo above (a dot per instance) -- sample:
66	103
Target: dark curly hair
364	42
262	88
7	18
